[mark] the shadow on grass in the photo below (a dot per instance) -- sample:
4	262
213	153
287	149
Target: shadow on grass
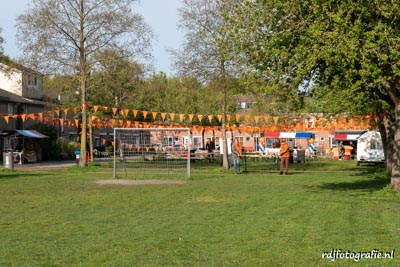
8	174
370	185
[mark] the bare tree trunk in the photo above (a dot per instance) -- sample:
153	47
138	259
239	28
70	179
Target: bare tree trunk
91	142
82	160
395	144
225	160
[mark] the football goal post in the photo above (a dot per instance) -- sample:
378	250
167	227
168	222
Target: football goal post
151	152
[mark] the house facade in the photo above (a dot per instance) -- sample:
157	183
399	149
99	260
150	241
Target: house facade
21	93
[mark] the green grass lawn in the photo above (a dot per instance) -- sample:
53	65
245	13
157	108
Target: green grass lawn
258	218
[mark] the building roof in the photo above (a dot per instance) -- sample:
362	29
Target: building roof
6	96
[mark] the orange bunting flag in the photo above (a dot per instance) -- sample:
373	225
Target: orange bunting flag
219	118
154	113
228	118
237	117
181	116
114	110
275	120
57	112
105	109
172	116
66	112
266	119
200	117
6	118
256	119
76	122
95	108
144	114
191	117
163	115
23	117
126	112
40	115
210	117
61	121
135	111
128	124
247	118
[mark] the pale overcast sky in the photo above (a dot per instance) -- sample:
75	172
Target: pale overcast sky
161	15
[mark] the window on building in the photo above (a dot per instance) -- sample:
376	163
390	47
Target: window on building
10	108
244	105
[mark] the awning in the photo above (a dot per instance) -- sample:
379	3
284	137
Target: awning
298	135
31	134
348	135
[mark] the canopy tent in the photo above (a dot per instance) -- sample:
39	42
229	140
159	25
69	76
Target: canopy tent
31	134
348	135
26	133
304	135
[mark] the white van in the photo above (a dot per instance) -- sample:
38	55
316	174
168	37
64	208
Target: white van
370	148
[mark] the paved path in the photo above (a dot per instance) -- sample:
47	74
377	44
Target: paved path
44	165
51	164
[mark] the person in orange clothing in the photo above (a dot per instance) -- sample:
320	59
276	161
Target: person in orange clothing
285	154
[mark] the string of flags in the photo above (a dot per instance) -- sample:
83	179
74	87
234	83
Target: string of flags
103	117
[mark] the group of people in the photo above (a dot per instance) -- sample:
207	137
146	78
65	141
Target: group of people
284	153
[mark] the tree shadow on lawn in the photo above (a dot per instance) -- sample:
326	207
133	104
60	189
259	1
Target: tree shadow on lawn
370	179
14	175
368	184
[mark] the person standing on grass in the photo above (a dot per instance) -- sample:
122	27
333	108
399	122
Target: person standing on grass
210	146
236	156
285	154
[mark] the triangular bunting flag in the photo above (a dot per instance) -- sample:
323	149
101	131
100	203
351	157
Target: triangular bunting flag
191	117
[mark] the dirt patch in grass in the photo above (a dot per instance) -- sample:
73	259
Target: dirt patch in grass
138	182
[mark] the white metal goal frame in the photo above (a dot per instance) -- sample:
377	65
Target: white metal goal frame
151	151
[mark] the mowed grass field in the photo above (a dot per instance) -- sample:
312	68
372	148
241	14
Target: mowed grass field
258	218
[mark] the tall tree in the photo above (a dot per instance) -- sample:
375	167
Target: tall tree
1	42
115	80
205	53
347	48
59	36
